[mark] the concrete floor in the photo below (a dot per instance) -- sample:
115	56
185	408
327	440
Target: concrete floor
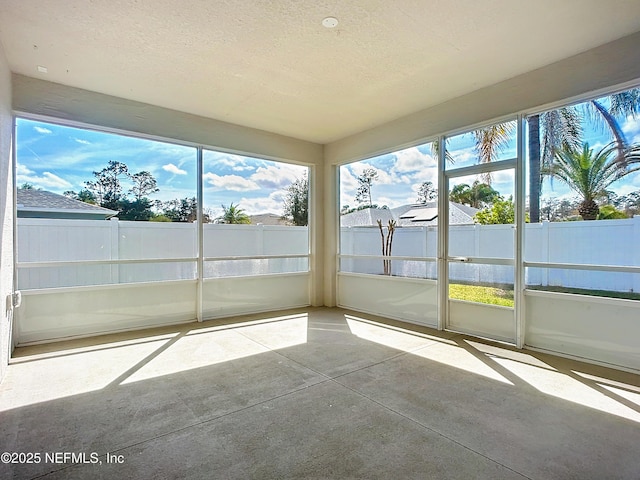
314	393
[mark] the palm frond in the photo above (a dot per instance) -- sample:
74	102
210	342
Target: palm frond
590	174
560	128
490	141
625	103
435	149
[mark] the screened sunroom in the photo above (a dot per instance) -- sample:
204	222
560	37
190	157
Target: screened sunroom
219	206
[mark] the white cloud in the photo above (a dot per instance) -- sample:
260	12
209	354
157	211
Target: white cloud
627	189
412	167
234	162
47	180
464	157
277	176
42	130
274	203
83	142
429	174
348	181
412	160
348	186
231	182
631	128
171	168
384	178
23	170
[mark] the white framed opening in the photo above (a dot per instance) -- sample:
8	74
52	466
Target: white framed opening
141	234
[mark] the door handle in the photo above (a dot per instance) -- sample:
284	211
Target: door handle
459	259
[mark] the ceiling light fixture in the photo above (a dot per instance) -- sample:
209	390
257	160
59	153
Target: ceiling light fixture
42	69
330	22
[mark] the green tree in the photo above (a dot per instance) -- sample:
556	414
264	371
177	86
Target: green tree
479	195
107	187
609	212
296	202
160	217
137	210
427	192
27	186
233	214
107	191
556	210
84	196
363	195
629	203
183	210
143	184
500	212
589	174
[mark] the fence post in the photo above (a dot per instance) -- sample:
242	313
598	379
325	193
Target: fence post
476	239
635	248
544	254
260	239
114	251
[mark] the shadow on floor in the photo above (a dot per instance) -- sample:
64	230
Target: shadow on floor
314	393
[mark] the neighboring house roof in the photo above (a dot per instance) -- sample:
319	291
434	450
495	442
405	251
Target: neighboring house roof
42	204
409	215
366	217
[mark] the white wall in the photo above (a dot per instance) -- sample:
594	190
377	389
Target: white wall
407	299
54	315
604	330
6	211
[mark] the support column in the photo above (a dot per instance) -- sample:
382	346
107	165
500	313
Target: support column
317	241
331	234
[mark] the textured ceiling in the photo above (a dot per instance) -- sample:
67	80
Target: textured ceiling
269	64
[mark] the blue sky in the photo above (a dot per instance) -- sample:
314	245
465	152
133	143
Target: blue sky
57	159
401	173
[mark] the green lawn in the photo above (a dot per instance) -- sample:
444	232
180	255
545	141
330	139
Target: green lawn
593	293
481	294
504	296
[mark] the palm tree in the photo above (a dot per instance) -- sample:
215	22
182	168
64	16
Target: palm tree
490	141
589	174
560	128
478	195
233	214
563	127
620	105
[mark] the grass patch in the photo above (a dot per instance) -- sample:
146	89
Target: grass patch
591	293
481	294
500	295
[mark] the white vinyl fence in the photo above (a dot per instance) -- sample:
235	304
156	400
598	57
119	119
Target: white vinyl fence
56	253
605	242
149	251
